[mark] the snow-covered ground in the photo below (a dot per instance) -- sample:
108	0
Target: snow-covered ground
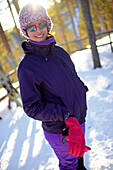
22	143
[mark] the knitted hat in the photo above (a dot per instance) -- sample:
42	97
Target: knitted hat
30	13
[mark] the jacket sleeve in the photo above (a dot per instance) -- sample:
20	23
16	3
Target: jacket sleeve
31	99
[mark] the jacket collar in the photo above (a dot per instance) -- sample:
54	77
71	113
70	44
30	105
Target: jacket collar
44	48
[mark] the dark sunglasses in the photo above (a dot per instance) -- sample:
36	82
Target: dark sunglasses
32	28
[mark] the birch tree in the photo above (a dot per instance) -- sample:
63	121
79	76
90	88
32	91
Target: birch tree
59	16
4	39
18	33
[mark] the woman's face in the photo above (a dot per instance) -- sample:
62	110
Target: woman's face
40	34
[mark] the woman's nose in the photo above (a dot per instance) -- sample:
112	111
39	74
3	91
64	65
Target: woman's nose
38	29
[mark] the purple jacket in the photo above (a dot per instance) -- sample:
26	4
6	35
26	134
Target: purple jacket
49	86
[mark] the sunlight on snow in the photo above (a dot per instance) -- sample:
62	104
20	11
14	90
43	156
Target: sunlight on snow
26	145
52	162
24	153
100	150
16	117
4	143
9	150
79	64
30	126
37	143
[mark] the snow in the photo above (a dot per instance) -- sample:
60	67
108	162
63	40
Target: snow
99	129
22	143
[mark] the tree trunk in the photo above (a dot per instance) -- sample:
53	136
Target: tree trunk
110	25
4	39
96	16
1	67
102	16
112	4
112	10
91	33
77	20
104	13
78	45
18	33
15	2
74	12
61	24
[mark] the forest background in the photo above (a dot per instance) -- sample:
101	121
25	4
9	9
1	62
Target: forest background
69	25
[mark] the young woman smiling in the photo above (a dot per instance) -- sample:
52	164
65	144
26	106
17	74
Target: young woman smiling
51	90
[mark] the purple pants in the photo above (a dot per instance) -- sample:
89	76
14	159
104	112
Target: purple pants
66	161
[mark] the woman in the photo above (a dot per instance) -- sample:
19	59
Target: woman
50	89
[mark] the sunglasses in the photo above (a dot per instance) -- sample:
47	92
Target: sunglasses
32	28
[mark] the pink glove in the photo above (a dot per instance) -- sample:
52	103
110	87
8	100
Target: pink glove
76	138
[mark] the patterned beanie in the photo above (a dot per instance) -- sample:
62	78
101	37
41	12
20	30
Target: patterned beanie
30	13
